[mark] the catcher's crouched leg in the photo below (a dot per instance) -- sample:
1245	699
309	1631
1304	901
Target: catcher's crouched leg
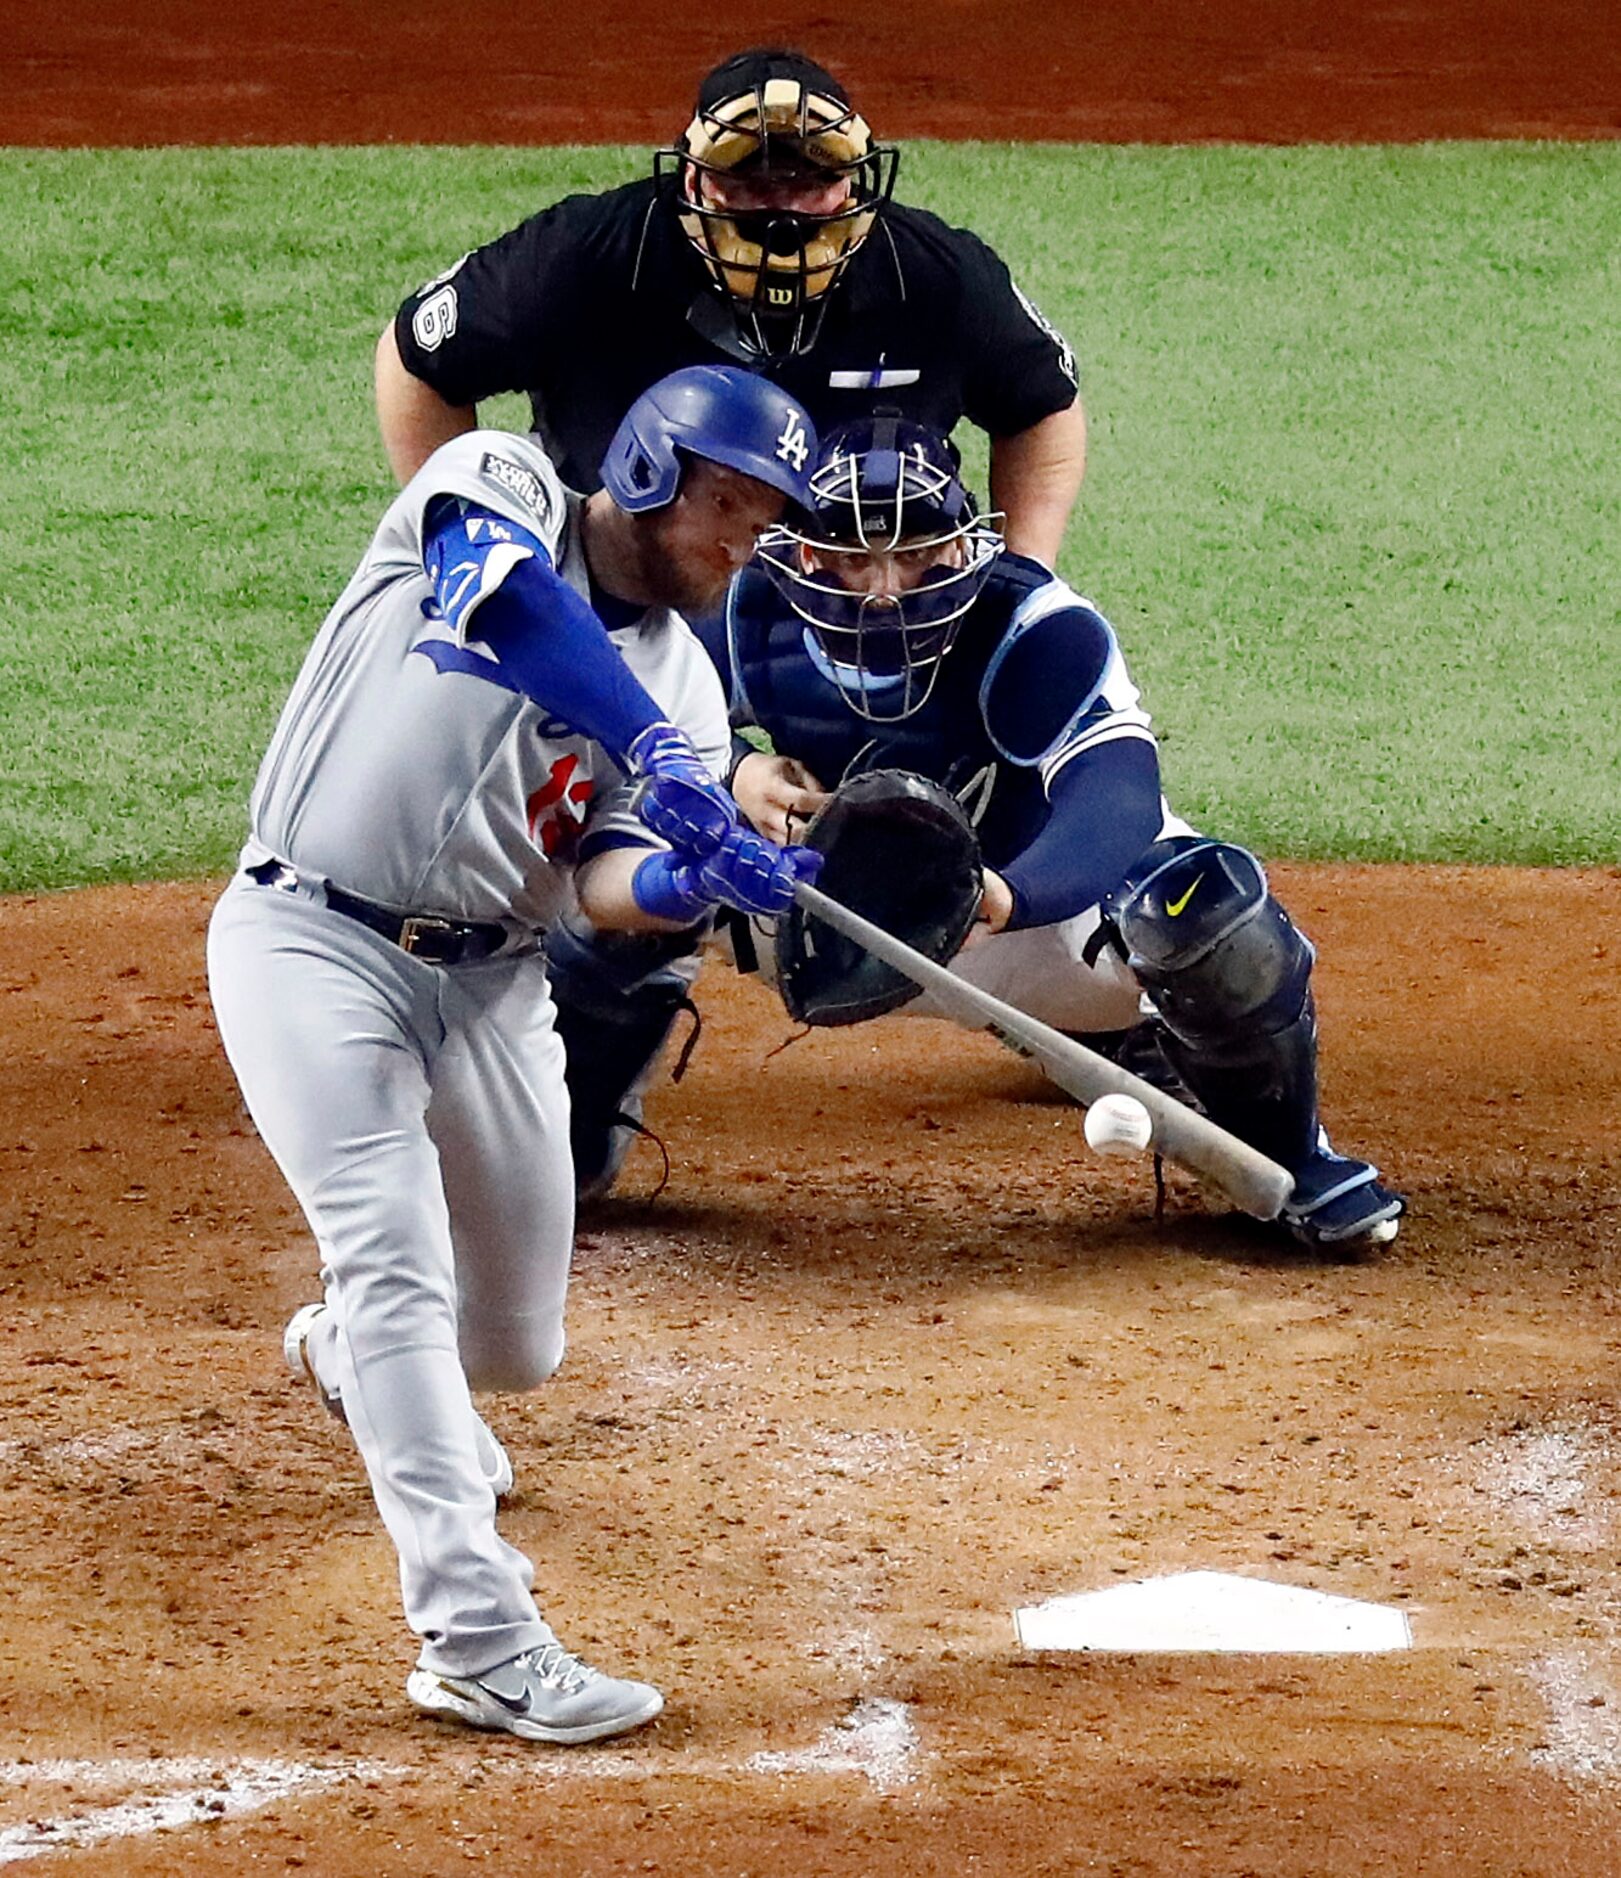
617	996
1230	976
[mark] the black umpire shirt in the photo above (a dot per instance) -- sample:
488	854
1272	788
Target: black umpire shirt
589	302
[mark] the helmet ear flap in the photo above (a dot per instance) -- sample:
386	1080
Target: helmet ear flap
641	470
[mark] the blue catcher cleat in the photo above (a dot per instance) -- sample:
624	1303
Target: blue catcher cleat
1338	1204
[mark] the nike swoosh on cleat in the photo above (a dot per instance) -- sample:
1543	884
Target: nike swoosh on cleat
1174	907
514	1705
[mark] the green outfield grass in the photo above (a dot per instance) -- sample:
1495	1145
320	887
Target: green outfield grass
1354	504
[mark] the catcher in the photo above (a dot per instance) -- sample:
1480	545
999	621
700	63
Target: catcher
888	630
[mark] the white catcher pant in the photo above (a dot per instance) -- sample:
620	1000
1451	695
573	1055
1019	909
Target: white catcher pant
1042	971
420	1117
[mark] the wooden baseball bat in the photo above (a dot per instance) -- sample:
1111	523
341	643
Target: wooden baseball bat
1258	1185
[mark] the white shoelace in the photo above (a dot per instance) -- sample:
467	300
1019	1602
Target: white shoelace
559	1669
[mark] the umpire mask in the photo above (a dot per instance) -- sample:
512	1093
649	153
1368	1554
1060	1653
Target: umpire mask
776	183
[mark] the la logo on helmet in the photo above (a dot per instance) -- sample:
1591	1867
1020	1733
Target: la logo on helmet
793	446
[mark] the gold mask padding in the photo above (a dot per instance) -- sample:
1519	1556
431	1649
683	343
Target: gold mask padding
746	272
826	135
831	134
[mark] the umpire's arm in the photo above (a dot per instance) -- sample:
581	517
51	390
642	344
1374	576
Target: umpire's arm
1035	477
412	416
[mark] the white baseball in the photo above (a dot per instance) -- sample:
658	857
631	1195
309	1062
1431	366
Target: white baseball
1118	1124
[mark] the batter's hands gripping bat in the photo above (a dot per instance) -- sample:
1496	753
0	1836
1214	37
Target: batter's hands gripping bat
1258	1185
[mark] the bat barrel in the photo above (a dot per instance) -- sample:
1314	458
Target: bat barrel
1249	1179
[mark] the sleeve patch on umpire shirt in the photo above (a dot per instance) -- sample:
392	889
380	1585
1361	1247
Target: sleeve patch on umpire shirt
434	321
517	481
1066	355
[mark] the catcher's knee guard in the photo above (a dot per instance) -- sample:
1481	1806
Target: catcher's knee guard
617	997
1230	976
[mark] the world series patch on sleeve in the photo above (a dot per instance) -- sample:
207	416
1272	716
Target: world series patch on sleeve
902	853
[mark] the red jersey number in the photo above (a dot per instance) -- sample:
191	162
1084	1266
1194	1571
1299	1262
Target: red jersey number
557	809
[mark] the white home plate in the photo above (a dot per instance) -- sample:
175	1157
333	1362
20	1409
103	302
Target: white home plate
1211	1611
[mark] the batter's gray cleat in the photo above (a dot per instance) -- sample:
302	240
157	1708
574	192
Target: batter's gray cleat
1339	1206
494	1462
545	1694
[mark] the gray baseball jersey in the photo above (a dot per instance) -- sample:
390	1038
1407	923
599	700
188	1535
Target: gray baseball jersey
400	771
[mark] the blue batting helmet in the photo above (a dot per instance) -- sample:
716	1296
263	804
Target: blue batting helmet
717	412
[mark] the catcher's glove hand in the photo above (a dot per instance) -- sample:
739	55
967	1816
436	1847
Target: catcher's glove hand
902	853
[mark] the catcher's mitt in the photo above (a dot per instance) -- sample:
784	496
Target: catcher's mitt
902	853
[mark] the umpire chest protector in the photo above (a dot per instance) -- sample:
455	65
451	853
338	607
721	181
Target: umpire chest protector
586	304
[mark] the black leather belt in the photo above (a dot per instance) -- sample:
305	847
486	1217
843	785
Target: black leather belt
425	936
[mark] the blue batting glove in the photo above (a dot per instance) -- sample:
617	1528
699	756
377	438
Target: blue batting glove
745	871
755	875
668	887
692	813
682	802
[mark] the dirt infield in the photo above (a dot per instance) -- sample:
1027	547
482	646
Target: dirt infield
1269	71
892	1355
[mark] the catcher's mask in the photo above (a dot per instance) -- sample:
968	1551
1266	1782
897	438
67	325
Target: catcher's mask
891	555
776	182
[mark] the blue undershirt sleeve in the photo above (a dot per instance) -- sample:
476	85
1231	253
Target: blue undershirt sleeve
546	639
1106	808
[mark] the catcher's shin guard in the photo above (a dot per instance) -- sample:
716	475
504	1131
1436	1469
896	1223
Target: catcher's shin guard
1229	975
617	997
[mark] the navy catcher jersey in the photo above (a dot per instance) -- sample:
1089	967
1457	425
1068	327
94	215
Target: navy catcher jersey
586	304
1030	696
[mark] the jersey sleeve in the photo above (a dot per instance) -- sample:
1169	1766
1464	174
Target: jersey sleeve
468	552
1017	366
484	517
503	475
687	690
479	328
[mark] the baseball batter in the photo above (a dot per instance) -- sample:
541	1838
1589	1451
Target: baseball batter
454	767
892	630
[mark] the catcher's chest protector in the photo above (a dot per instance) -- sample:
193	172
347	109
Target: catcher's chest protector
805	715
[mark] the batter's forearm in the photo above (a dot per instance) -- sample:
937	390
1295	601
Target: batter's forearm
605	888
412	417
1036	475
